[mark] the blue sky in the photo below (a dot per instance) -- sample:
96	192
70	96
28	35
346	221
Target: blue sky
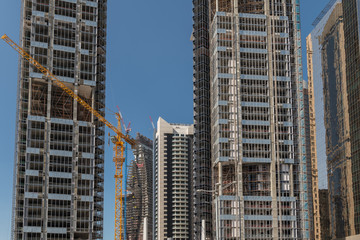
149	73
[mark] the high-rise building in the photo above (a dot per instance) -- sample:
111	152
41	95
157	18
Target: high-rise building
139	206
337	126
202	178
247	65
327	70
59	159
316	95
312	176
351	11
324	214
172	181
317	141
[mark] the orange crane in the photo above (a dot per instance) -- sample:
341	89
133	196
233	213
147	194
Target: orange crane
119	139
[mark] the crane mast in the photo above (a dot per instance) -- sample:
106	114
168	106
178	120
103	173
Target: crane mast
119	140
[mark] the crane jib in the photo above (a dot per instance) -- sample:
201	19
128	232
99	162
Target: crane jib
58	82
119	148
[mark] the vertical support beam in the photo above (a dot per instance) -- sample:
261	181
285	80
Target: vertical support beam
145	232
217	218
239	202
203	230
76	153
46	153
273	121
220	180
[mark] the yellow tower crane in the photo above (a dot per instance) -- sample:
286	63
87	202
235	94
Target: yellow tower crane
119	139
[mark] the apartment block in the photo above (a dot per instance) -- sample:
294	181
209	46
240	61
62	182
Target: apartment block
139	206
247	59
172	181
59	158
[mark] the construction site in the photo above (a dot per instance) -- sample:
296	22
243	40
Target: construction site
257	122
243	170
60	144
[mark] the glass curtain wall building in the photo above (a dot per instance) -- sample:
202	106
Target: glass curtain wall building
336	120
59	159
247	59
334	45
351	11
314	63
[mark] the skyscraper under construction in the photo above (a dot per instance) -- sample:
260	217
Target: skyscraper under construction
139	206
249	113
59	159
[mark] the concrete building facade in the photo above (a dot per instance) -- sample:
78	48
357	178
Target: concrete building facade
247	65
59	159
139	206
172	181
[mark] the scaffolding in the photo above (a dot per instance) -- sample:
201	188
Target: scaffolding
254	6
202	177
257	133
243	6
59	160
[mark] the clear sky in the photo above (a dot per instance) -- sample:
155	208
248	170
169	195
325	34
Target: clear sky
149	73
